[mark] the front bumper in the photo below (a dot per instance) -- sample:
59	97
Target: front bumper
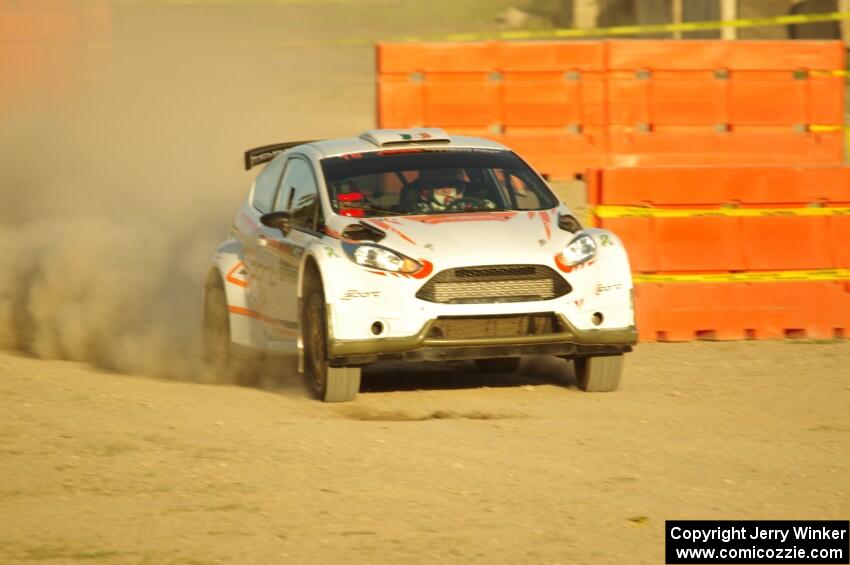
568	342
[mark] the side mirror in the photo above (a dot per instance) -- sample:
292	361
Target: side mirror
277	220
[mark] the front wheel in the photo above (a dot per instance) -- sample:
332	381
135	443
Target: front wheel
598	374
329	384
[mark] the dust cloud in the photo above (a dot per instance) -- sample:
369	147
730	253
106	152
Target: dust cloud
103	259
116	193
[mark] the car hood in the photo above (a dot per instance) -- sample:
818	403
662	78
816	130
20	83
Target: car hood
474	238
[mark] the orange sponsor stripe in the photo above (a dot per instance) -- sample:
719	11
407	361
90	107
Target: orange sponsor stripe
233	280
244	312
279	327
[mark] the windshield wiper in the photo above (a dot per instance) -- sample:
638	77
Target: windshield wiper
372	208
476	210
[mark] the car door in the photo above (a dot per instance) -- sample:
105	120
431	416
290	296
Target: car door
254	235
298	194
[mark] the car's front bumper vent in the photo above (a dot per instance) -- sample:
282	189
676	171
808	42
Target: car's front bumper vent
493	284
512	325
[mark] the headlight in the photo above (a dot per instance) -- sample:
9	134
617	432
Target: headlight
579	250
381	258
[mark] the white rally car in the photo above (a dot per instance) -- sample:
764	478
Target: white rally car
412	245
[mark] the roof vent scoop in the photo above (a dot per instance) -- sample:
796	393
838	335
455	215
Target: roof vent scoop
390	137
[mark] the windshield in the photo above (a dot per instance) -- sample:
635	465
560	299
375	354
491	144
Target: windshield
415	181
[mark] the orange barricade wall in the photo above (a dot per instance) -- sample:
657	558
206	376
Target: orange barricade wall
763	310
696	244
567	105
724	101
701	244
545	100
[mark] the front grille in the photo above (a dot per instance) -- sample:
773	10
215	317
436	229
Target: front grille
494	283
514	325
498	272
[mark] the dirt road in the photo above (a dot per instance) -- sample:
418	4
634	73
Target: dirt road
430	464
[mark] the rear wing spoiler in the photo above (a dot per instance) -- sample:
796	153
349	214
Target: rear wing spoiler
264	154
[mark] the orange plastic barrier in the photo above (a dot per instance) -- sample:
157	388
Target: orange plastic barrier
769	310
840	232
724	101
761	83
545	100
567	105
779	241
684	145
778	233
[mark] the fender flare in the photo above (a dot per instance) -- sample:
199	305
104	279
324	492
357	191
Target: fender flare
228	266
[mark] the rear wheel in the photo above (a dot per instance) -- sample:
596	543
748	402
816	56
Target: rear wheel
503	365
598	374
329	384
222	359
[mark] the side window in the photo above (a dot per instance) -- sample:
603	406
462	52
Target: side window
281	202
266	185
299	194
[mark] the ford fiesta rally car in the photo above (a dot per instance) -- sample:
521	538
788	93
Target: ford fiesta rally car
412	245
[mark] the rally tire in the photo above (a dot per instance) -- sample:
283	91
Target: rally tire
223	360
329	384
598	374
501	365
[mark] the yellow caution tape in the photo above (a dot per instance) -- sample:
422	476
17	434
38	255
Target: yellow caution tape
822	128
610	211
684	26
532	33
750	276
831	128
833	73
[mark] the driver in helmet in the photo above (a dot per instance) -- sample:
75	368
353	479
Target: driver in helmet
443	189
